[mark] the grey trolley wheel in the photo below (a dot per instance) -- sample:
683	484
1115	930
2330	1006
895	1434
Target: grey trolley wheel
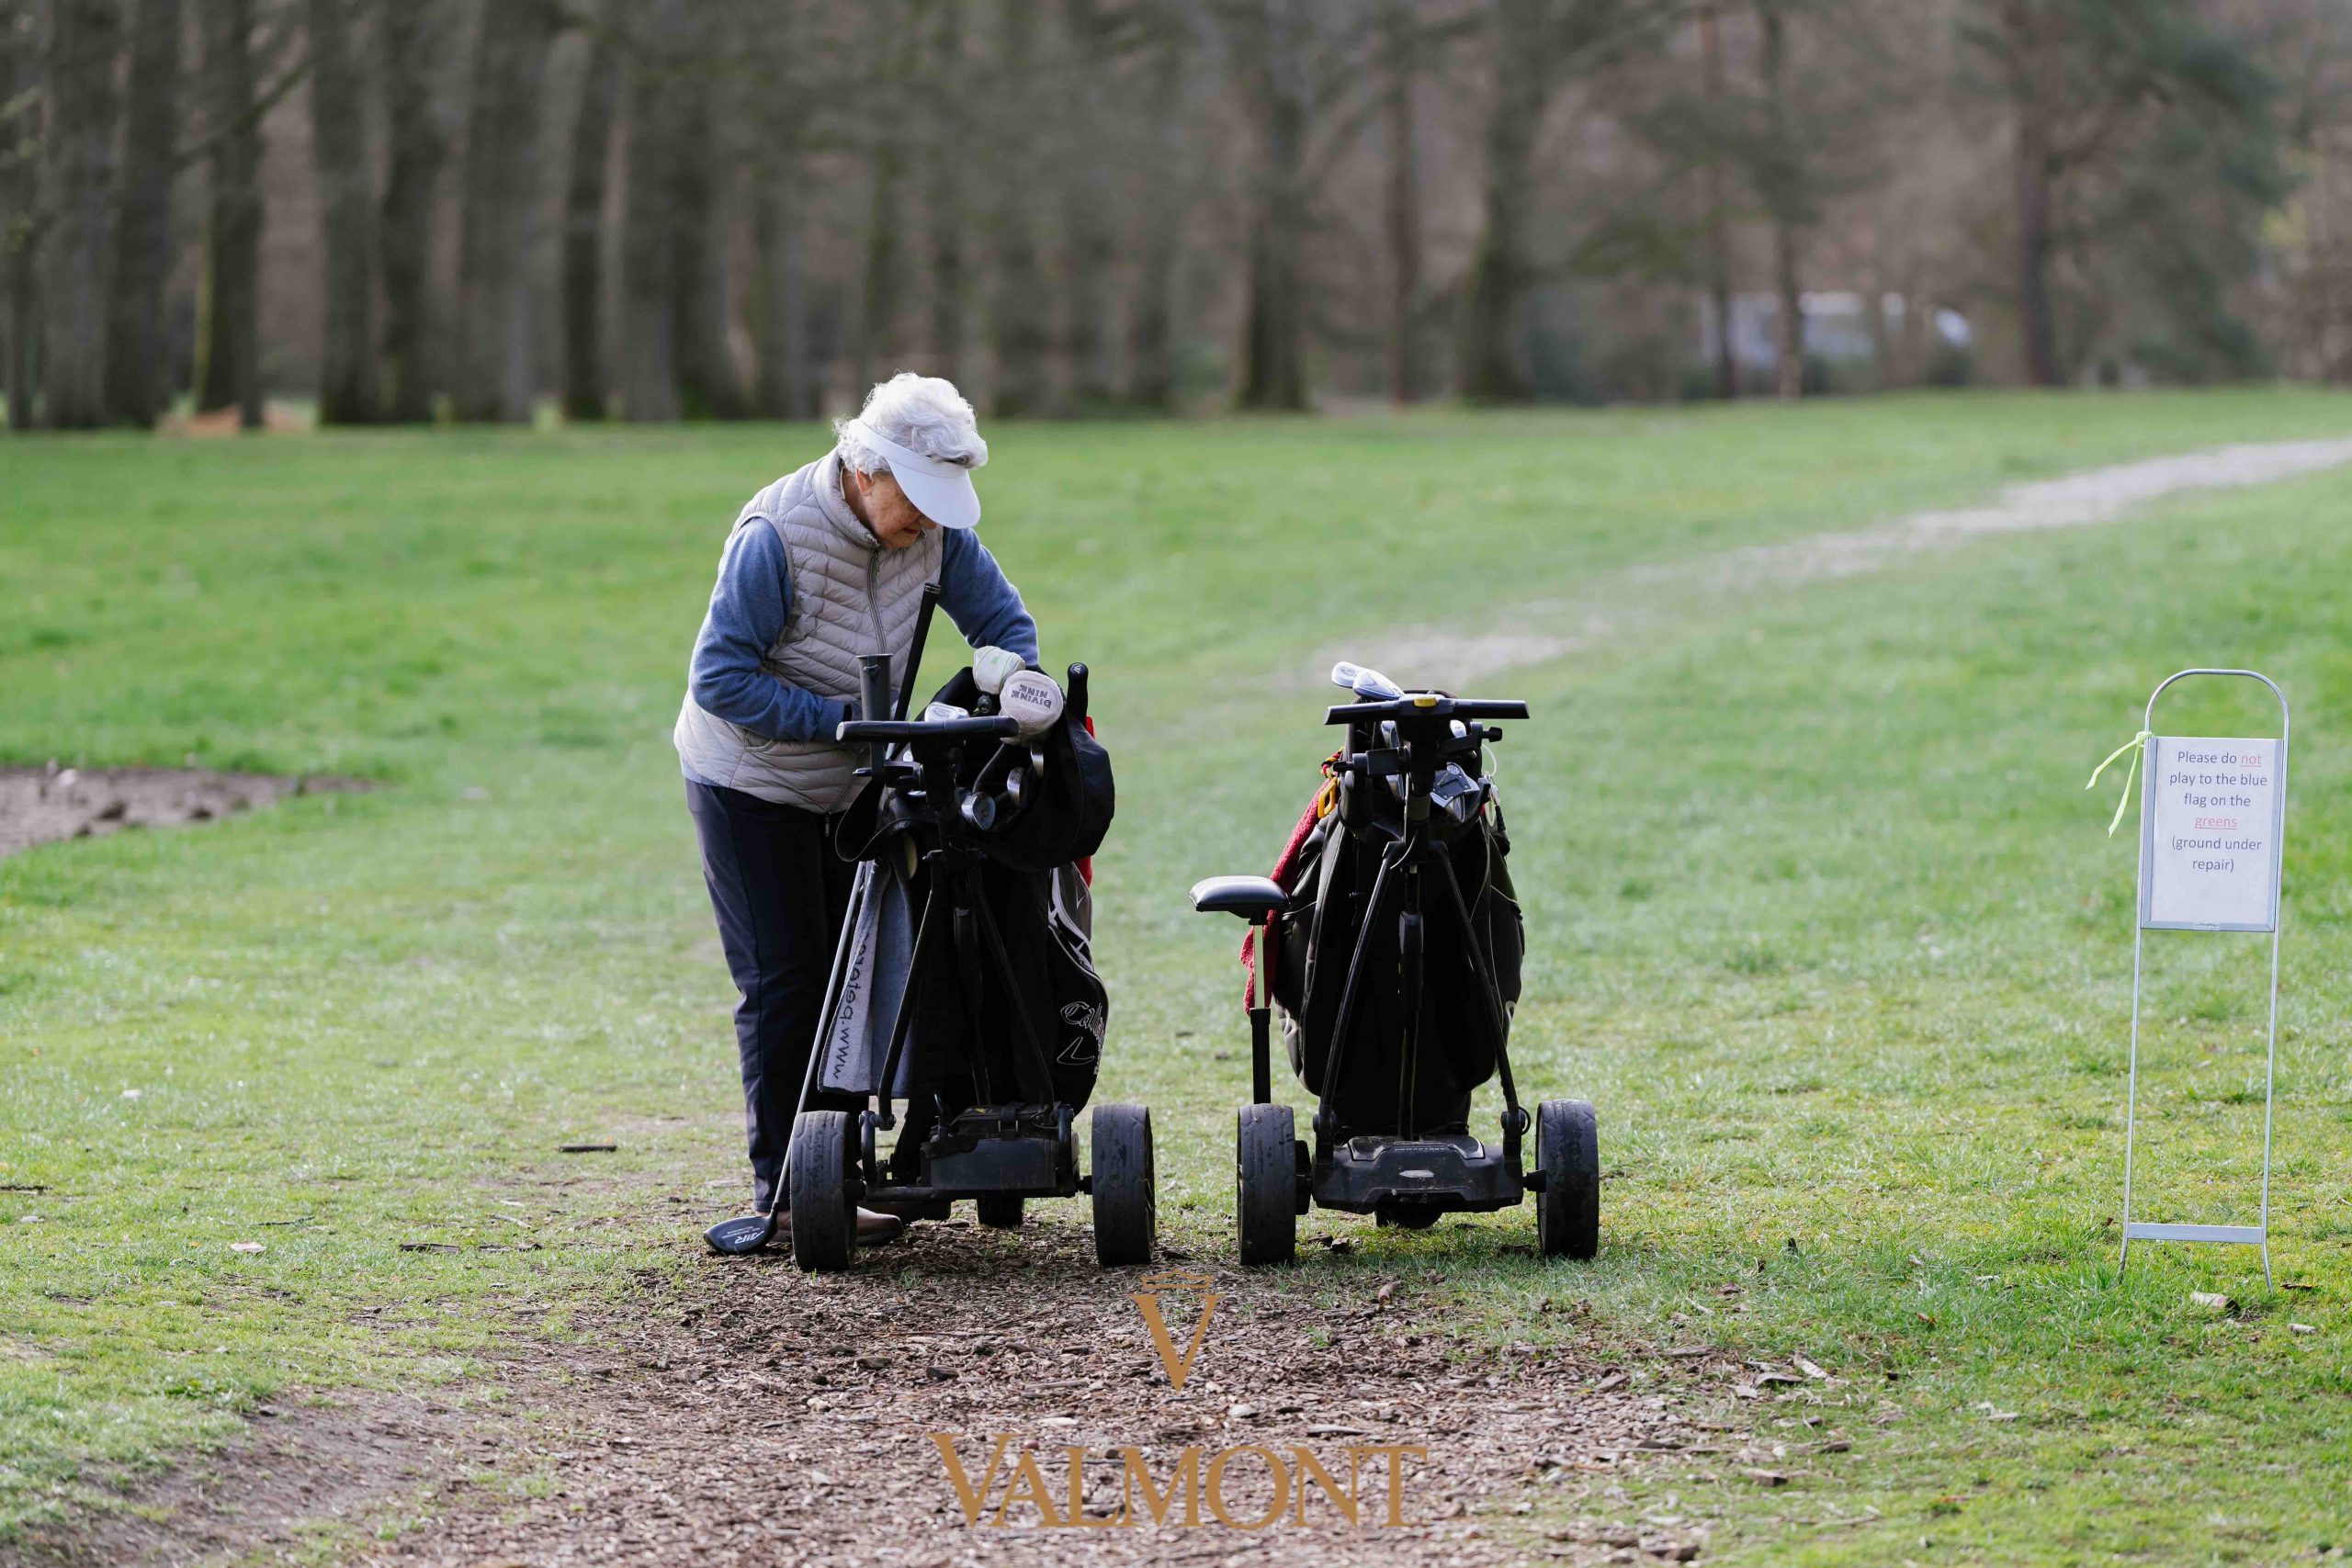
1266	1177
999	1211
1127	1207
1567	1206
824	1220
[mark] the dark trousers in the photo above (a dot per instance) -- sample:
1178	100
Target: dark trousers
781	894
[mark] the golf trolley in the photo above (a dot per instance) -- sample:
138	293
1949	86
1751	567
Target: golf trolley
960	958
1393	1044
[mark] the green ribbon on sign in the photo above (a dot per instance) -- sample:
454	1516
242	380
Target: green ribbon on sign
2132	746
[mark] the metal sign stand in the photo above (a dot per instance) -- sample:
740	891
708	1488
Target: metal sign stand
2256	1235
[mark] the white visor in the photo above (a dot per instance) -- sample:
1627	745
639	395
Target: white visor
940	490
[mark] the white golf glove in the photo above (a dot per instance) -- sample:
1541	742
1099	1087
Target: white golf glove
993	667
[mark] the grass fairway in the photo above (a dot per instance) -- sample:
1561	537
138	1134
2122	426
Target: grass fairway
1820	917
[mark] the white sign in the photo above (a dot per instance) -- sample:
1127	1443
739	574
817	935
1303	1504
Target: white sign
2209	855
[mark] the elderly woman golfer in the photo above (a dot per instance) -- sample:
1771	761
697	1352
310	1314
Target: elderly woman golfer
827	563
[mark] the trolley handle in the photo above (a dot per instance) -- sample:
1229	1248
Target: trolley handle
888	730
1424	706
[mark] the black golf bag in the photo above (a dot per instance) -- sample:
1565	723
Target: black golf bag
1388	943
973	1008
1396	1081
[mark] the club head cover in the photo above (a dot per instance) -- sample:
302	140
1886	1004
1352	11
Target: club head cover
1031	700
1370	684
993	667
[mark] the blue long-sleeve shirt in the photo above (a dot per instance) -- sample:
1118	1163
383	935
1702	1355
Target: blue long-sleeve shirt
754	598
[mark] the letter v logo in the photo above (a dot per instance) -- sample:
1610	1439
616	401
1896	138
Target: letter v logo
1178	1366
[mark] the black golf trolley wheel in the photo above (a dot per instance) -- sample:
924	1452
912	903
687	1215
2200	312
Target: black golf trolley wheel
1567	1206
824	1219
1126	1206
999	1211
1266	1177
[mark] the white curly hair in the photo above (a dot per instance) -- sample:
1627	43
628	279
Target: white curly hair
923	413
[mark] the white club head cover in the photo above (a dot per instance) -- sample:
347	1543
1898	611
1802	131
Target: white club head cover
1369	684
1033	700
993	667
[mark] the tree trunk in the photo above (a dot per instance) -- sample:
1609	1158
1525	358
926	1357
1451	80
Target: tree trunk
495	314
2033	159
1789	368
413	31
229	332
1273	348
1785	195
348	389
2037	321
1017	326
783	380
23	327
136	388
1151	327
708	384
945	205
889	54
1087	210
1490	362
20	232
1718	227
85	43
1404	215
649	344
584	229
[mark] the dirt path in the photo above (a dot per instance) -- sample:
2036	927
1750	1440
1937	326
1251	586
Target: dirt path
741	1413
1612	608
37	804
756	1415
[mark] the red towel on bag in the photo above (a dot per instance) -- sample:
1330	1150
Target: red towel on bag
1285	871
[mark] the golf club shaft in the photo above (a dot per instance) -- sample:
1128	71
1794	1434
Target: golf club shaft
914	648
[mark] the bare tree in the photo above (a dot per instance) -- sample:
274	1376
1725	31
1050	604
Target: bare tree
1714	218
1166	179
2124	115
348	389
648	217
20	159
85	45
413	34
1398	37
494	309
948	101
228	321
1019	303
888	59
1271	67
1089	217
584	226
1783	184
1539	45
784	386
707	380
135	389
